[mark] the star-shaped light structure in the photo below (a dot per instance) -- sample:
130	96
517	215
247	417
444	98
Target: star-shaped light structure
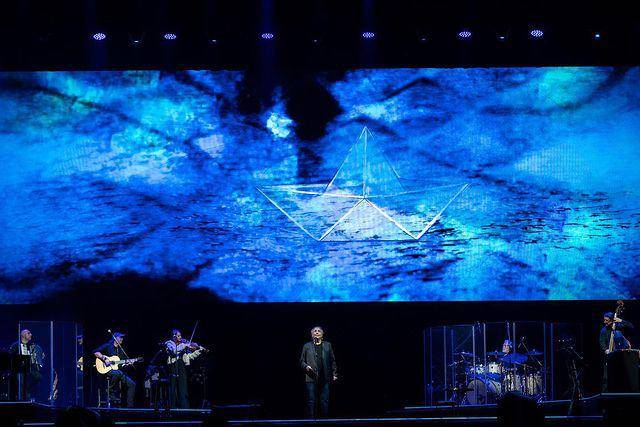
365	200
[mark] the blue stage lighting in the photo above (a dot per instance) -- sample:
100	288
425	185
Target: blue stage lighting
170	36
267	36
368	35
464	34
536	33
596	36
99	36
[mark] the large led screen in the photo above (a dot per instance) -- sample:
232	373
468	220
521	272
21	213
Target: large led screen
356	185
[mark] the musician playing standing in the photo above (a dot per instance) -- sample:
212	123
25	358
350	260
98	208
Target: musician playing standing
180	353
30	380
620	342
116	377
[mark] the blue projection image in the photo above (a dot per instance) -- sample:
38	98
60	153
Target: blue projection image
356	185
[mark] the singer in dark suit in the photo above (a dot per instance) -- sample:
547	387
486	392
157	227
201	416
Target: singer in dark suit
319	366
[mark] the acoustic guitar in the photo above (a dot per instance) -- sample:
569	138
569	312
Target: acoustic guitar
115	363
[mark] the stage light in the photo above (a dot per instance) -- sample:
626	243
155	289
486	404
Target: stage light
368	35
170	36
213	41
536	33
597	36
267	36
423	39
99	36
502	37
464	34
136	38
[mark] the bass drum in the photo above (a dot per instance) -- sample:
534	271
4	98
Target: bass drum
482	391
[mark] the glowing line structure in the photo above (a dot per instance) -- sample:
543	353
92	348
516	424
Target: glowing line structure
365	200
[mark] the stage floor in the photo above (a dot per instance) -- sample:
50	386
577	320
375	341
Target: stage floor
34	414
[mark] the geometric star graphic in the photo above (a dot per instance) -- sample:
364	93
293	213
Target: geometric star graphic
365	200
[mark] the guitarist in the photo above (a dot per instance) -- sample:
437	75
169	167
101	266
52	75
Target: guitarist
116	377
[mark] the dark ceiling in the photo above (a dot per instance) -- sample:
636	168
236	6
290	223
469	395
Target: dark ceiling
37	34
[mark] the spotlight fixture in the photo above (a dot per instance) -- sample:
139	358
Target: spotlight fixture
213	41
267	36
464	34
597	36
423	38
502	37
98	36
536	33
170	36
136	38
368	35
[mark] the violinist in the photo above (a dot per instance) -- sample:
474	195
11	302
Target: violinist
180	353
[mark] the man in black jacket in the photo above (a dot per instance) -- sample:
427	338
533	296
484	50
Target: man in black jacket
319	365
28	381
620	342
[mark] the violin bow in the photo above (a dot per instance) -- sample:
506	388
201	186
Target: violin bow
193	333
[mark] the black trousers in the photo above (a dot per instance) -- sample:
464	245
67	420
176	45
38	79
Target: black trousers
25	386
178	395
317	394
118	379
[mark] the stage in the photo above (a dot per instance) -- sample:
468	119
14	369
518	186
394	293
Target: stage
592	413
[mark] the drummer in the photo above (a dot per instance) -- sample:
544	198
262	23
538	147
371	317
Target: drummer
509	356
507	347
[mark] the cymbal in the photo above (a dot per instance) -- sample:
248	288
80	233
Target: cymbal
494	354
514	358
463	354
534	353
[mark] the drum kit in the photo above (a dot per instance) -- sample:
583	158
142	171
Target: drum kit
478	383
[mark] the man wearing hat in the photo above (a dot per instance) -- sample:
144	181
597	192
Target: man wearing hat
116	377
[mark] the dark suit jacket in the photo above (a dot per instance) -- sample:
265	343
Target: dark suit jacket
620	341
37	355
308	358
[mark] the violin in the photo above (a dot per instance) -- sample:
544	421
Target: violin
193	345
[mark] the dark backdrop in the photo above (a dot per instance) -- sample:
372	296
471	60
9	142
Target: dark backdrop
256	347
